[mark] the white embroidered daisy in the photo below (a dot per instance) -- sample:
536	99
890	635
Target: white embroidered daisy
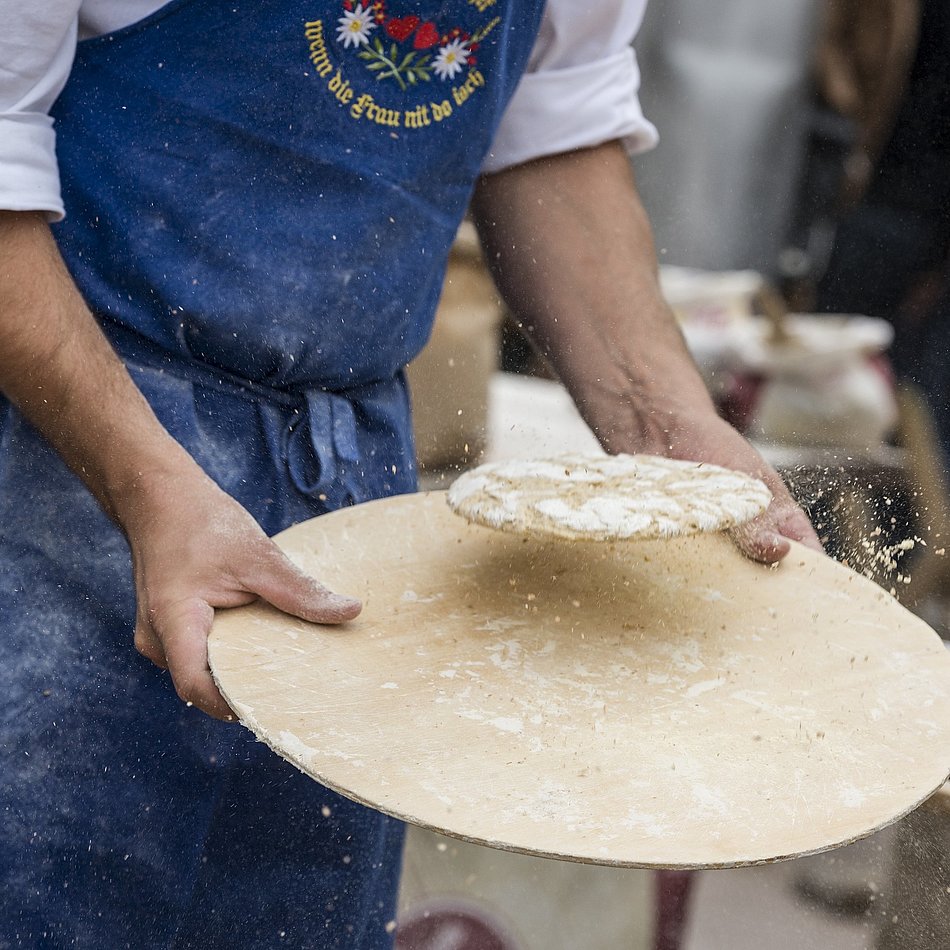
450	59
355	26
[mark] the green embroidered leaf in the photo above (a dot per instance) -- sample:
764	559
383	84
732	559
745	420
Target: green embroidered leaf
394	53
412	79
376	65
378	44
479	35
407	60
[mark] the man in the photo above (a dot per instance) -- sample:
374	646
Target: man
260	200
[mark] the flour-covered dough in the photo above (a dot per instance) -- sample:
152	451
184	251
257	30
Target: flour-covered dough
609	497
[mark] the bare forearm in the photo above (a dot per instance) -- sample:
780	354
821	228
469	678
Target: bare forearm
58	368
573	253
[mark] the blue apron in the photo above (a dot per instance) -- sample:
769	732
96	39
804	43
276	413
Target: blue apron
261	197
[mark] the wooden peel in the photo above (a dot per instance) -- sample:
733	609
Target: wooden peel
656	703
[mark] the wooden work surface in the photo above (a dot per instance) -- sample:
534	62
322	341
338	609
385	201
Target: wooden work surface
654	704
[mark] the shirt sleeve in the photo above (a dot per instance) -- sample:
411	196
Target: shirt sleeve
36	54
580	87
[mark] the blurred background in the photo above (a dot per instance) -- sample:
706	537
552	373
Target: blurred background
800	198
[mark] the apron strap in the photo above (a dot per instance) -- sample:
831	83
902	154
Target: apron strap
321	435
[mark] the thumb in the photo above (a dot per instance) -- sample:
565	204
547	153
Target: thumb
759	541
766	538
284	585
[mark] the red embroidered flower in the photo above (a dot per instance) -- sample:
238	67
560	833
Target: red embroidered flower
427	36
401	28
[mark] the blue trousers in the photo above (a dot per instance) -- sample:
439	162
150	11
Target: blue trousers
127	819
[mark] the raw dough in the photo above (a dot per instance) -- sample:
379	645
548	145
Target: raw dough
607	497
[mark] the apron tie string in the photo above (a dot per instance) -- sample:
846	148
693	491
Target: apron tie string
320	439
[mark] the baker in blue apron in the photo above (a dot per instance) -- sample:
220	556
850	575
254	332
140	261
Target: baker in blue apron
261	202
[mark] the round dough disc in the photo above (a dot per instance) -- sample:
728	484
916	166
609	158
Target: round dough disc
607	497
650	703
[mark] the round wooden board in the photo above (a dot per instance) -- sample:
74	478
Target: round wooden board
651	704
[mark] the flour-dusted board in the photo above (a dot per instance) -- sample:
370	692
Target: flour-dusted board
660	703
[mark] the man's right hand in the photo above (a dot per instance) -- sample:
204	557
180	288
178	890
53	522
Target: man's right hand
193	547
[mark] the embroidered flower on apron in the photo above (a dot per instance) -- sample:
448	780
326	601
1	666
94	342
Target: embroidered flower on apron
414	48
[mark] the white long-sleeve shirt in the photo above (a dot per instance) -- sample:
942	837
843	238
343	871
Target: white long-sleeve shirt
580	88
